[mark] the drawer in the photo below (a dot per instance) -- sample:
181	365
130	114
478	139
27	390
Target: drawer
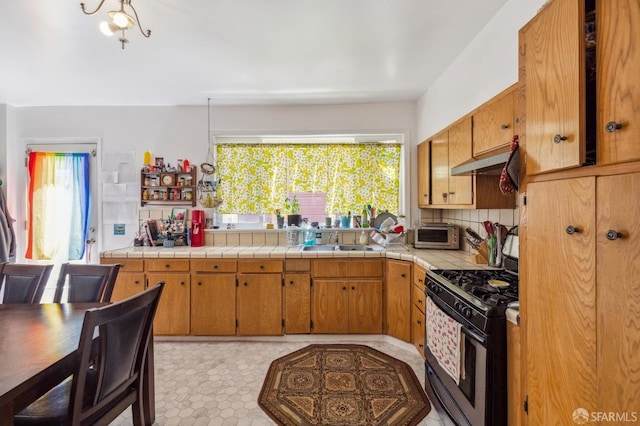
297	265
419	298
419	276
126	265
214	265
167	265
260	266
348	268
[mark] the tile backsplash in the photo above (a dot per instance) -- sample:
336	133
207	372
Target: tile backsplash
472	219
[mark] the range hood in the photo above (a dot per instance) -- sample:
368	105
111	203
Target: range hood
486	166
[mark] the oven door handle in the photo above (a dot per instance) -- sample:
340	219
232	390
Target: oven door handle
475	336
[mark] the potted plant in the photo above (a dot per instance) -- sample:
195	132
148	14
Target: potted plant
280	219
293	207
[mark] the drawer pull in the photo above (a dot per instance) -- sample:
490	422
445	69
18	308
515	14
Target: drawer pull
559	138
167	265
419	322
572	230
215	266
136	282
261	266
504	126
613	235
419	300
612	126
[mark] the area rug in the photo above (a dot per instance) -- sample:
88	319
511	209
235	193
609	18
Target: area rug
342	385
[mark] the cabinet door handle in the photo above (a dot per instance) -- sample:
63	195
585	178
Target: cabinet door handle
613	235
181	282
419	300
612	126
504	126
199	282
353	288
291	282
344	288
559	138
245	284
136	282
403	275
572	230
419	322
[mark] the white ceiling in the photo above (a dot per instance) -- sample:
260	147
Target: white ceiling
235	52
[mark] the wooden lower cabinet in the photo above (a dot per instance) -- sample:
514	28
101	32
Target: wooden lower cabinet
213	304
398	299
131	279
418	329
418	310
259	304
173	314
297	303
347	306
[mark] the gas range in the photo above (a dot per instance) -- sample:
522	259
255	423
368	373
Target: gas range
468	293
473	285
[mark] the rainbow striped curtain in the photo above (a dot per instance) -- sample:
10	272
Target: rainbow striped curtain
58	205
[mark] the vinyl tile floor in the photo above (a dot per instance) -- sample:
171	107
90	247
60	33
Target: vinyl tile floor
217	382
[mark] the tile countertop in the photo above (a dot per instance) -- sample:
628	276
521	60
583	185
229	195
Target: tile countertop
429	259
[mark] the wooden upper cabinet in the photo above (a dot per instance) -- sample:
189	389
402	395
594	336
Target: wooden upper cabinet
460	151
424	174
493	124
553	46
440	168
618	68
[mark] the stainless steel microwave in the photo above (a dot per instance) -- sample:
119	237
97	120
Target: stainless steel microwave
437	236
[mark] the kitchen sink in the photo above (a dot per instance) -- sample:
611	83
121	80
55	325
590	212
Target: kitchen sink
341	247
319	248
353	247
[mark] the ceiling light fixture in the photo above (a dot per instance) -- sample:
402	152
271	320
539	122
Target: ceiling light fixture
120	21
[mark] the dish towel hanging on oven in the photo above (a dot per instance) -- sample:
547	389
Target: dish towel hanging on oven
445	341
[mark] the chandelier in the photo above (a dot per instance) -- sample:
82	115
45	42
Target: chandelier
120	21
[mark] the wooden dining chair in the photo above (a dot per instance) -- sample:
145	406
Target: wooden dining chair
103	385
23	283
86	283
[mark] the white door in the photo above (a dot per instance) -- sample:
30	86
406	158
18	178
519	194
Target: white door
90	254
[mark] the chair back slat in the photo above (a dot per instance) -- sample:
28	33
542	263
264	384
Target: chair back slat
86	283
124	332
22	283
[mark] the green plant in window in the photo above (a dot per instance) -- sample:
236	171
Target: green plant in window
292	205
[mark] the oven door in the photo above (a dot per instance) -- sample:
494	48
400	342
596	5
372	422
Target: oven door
466	402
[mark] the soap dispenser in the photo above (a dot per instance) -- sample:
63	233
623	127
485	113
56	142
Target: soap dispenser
363	238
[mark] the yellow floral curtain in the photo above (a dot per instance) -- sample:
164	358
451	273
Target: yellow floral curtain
256	178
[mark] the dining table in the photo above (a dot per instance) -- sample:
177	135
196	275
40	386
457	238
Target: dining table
38	350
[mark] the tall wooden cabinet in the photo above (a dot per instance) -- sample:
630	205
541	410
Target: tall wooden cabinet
582	296
561	299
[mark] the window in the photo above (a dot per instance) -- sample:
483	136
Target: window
344	175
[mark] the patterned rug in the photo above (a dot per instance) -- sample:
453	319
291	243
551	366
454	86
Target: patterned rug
342	385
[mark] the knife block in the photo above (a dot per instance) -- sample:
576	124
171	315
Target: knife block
481	255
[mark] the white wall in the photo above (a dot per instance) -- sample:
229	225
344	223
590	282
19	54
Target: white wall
179	132
488	65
